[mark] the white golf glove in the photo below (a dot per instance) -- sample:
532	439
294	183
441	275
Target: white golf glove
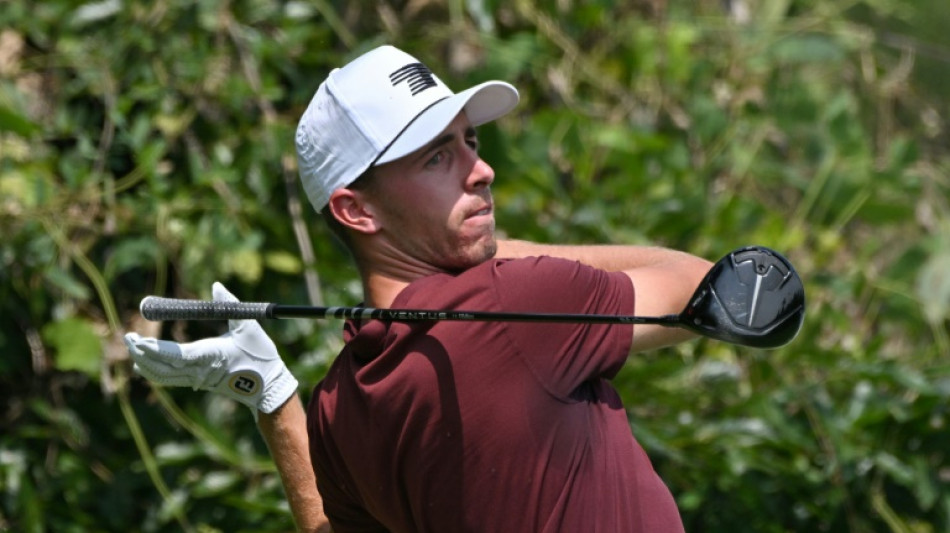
242	364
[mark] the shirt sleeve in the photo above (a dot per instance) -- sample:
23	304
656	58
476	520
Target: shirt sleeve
348	518
564	355
342	507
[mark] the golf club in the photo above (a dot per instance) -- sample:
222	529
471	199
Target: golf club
751	297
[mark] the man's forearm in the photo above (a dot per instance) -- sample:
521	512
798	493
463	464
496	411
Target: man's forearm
285	431
612	258
664	279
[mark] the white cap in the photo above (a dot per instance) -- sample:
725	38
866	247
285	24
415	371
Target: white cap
382	106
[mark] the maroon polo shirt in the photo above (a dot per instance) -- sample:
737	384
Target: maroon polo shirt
487	426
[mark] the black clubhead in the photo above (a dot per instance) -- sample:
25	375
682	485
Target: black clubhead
752	297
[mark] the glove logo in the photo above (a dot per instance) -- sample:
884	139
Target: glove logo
245	383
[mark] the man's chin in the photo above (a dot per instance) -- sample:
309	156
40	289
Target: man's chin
475	254
491	249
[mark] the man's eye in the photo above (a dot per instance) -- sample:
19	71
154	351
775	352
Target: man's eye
436	159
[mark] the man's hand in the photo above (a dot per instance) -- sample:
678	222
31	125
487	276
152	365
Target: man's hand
242	364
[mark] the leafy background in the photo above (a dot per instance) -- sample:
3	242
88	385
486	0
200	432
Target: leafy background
146	148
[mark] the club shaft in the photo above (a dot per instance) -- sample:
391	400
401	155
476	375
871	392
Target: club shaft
157	308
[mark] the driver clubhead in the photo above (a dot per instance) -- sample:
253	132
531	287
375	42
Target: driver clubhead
751	297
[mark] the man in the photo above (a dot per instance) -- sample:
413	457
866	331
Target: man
451	426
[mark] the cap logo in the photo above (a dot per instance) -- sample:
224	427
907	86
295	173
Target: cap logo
416	75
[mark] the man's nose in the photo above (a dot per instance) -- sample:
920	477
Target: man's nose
481	175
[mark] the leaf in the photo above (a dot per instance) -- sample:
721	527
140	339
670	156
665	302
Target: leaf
881	211
214	483
924	487
902	153
16	123
173	506
66	422
94	12
131	253
25	189
245	263
177	452
283	262
933	287
807	49
67	283
77	345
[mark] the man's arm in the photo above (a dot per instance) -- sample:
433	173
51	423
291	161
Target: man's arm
245	366
663	279
285	431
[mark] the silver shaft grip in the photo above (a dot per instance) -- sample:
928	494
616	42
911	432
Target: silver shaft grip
157	308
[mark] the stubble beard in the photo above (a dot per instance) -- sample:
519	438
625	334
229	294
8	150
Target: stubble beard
475	253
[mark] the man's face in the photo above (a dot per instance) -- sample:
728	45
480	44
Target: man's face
435	206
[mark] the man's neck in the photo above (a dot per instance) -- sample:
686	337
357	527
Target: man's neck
387	272
380	291
382	282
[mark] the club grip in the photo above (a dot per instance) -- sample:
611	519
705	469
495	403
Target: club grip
156	308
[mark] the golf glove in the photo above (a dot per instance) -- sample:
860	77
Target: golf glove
243	364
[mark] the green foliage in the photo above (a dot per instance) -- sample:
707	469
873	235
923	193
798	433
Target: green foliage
147	148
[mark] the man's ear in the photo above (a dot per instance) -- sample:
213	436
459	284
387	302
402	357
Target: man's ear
351	209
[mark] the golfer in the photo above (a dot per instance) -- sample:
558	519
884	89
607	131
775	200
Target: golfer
448	426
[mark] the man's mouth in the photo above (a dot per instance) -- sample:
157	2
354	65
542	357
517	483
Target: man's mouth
487	210
484	206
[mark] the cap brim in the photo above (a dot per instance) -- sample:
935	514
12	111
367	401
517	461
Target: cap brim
482	103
